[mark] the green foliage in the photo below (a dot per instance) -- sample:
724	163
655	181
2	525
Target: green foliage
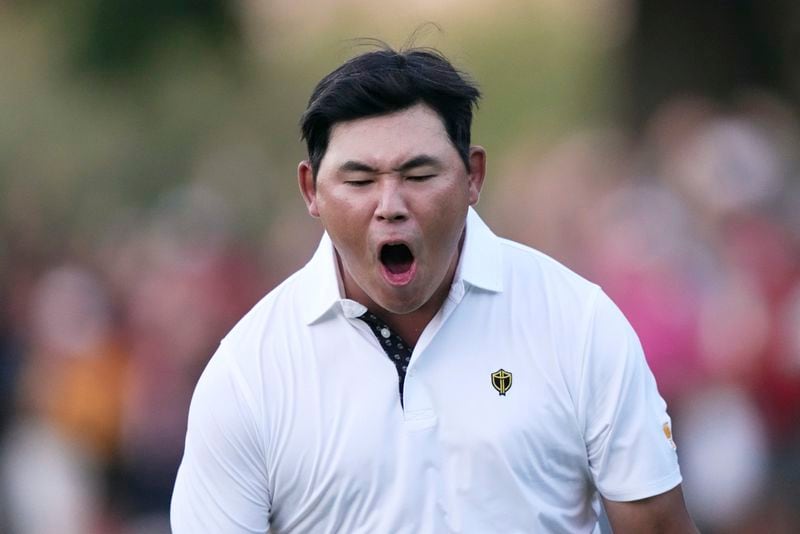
107	105
123	35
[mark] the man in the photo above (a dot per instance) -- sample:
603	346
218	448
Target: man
420	374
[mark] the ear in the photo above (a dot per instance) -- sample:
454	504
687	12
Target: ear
308	188
477	173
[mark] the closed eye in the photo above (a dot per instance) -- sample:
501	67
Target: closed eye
421	177
358	183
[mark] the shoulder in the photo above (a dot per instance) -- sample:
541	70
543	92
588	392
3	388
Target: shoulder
541	287
239	369
241	363
247	354
279	311
514	269
527	261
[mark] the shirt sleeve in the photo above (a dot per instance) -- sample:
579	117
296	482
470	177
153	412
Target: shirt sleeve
626	428
222	480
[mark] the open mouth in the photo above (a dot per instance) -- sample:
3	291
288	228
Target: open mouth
398	263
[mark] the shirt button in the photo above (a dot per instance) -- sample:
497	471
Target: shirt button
385	332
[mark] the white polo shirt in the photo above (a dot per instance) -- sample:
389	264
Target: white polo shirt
296	422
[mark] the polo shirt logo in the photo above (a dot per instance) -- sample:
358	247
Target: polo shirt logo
668	434
501	381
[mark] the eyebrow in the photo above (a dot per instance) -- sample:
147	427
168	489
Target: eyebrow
417	161
356	166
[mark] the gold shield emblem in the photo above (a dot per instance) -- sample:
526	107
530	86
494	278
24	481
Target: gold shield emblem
501	380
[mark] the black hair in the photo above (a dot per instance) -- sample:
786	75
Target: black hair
384	81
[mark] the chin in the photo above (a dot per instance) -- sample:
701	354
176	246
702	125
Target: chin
400	307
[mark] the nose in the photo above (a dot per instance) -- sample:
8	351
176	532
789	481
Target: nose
391	202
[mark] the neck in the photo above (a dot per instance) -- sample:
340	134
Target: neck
409	326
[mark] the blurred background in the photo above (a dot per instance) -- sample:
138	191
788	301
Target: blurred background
148	199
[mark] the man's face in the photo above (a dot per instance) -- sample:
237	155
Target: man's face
392	193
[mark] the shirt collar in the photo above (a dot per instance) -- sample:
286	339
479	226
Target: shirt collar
480	266
481	261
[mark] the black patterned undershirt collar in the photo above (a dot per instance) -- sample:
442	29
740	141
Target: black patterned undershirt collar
398	351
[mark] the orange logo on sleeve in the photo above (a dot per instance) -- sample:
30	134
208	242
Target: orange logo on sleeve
668	434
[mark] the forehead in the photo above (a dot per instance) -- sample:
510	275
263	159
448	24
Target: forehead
390	139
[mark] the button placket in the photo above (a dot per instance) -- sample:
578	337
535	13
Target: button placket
396	349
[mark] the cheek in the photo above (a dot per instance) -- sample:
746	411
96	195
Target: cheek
446	229
336	210
344	220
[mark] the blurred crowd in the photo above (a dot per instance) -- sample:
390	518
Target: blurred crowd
101	348
692	226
